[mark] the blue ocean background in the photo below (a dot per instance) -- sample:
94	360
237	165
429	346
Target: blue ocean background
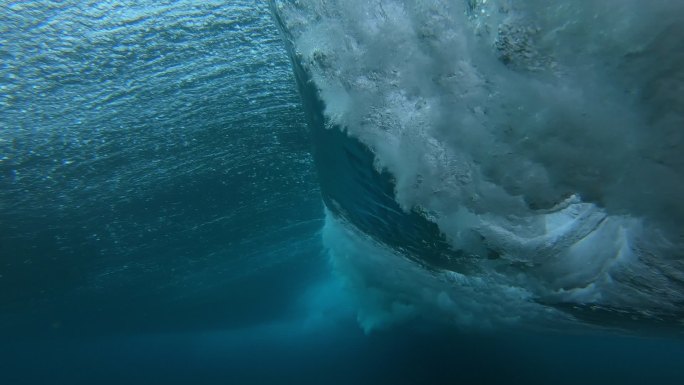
161	216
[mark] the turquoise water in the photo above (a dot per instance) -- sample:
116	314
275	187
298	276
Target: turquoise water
154	157
247	192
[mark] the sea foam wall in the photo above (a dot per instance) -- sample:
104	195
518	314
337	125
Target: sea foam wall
542	142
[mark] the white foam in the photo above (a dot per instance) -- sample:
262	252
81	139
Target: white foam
388	288
550	129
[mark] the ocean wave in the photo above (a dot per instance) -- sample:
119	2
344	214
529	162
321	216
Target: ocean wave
525	156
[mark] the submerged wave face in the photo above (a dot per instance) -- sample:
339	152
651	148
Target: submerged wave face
508	161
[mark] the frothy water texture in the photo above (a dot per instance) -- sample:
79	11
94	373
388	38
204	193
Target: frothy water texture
341	192
543	141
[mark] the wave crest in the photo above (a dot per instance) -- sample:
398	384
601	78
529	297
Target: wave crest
542	140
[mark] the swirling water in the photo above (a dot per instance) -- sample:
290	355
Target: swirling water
537	175
161	218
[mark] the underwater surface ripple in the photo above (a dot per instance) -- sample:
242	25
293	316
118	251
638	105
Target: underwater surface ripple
148	150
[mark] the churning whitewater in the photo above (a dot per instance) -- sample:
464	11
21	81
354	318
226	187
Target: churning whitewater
499	162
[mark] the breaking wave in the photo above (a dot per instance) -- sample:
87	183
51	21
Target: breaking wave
499	162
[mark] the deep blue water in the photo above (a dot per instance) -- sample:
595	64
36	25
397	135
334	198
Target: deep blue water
178	205
340	354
